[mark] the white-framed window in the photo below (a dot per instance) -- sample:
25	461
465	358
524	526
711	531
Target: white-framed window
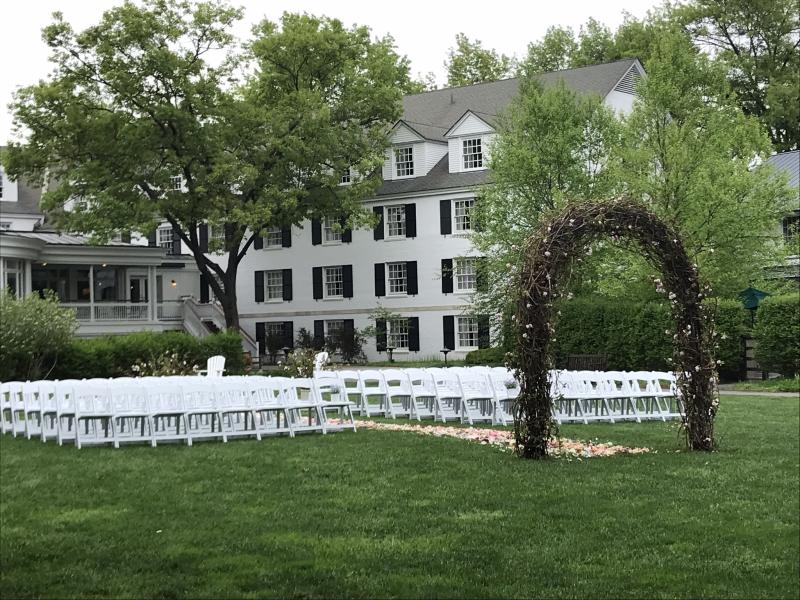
397	334
462	220
345	179
397	278
273	237
333	327
467	332
404	161
273	285
164	237
465	274
331	231
176	183
334	282
473	153
396	221
217	234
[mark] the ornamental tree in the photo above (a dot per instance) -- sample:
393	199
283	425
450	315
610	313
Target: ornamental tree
260	133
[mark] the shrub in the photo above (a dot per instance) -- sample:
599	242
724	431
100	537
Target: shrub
347	343
113	356
637	335
165	365
300	363
485	356
777	335
34	332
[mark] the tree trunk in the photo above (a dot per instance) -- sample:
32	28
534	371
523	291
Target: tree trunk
229	305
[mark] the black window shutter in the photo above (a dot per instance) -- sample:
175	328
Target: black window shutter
316	276
449	331
316	232
176	243
411	220
287	284
202	234
258	243
349	327
261	338
483	332
319	334
347	281
286	237
347	233
259	286
380	334
151	239
413	334
378	231
412	289
445	221
447	276
288	334
380	279
481	281
204	295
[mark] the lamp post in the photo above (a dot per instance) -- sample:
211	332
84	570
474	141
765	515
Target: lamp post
445	351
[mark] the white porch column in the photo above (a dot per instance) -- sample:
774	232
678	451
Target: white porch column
151	292
2	273
91	292
28	284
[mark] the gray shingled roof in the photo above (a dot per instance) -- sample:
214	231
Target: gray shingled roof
789	163
63	239
439	178
432	113
27	201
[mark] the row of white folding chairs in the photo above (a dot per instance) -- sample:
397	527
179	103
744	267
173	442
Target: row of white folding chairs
153	409
584	396
466	394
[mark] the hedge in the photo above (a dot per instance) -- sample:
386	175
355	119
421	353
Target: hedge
113	356
632	335
777	335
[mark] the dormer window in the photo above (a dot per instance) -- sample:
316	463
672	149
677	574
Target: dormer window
176	183
404	161
473	153
345	179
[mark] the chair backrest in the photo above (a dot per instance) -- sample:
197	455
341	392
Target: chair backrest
397	382
422	382
447	383
92	396
372	382
164	397
215	366
47	396
474	383
199	395
129	399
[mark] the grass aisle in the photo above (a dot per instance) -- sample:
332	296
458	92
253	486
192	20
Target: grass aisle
380	514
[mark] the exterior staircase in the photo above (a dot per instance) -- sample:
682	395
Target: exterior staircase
202	320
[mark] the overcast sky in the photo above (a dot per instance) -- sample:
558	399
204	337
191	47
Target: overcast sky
423	30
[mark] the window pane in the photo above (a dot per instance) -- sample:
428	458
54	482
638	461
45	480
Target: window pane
398	280
273	285
165	237
396	220
461	214
397	333
467	332
334	287
331	230
404	161
473	154
273	237
466	274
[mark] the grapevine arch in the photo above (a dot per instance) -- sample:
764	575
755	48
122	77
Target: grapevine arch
549	256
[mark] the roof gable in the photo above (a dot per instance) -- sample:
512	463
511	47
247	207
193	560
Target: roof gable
471	121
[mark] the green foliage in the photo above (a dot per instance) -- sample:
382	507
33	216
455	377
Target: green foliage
469	63
34	332
638	336
779	384
688	153
759	44
299	363
486	356
164	365
260	135
777	334
304	339
553	53
349	344
114	356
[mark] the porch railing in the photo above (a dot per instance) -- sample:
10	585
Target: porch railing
125	311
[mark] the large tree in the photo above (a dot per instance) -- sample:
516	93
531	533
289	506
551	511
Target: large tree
759	40
469	62
692	155
260	135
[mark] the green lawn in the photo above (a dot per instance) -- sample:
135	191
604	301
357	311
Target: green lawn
781	384
380	514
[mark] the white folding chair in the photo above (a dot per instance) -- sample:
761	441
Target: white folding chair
351	388
424	400
331	396
168	410
398	393
132	417
373	386
203	415
94	411
299	396
477	396
448	391
268	407
237	407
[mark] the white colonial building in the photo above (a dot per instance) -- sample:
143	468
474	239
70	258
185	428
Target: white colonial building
417	263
